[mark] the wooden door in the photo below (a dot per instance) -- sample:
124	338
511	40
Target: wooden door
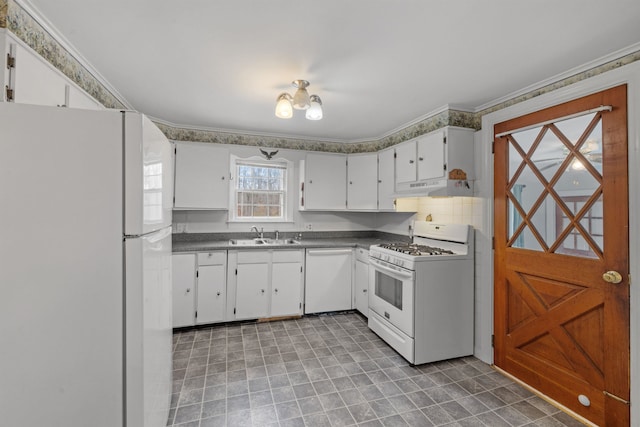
561	223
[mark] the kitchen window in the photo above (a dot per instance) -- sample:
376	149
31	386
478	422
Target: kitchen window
259	190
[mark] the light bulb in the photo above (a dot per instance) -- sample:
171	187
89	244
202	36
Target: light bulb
301	100
315	110
284	109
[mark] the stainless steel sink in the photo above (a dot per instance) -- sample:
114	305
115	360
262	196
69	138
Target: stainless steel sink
263	242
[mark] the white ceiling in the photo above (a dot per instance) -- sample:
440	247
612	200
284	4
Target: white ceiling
378	65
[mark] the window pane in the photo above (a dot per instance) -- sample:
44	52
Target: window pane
260	190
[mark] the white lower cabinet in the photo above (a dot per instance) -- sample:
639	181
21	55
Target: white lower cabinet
361	282
286	283
211	287
184	289
264	283
252	285
328	280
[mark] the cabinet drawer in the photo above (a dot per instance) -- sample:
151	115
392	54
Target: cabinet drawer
287	256
362	255
212	258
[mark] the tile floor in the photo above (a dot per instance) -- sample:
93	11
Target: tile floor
331	370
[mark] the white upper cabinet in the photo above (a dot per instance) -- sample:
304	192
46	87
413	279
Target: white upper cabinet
437	163
362	177
33	80
324	182
202	176
431	156
386	185
406	161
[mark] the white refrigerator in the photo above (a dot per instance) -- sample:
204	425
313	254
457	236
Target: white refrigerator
85	268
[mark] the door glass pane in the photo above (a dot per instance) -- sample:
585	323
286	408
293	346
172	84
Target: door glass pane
549	155
576	245
573	128
527	240
592	148
544	220
531	188
515	219
578	183
515	160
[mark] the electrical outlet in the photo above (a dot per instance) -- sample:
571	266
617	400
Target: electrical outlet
308	227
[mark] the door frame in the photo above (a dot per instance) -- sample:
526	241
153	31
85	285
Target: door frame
630	75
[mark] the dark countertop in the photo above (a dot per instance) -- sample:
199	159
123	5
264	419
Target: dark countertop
203	242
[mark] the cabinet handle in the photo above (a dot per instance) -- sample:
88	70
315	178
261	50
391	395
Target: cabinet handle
364	290
188	290
410	162
310	181
276	290
420	158
351	182
262	290
223	178
218	294
379	181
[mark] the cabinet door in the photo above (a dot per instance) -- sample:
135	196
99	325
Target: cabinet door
406	161
362	176
431	156
328	280
252	296
184	281
386	184
362	287
202	172
36	82
325	186
286	288
211	293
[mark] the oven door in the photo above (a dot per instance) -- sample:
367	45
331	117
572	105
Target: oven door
391	294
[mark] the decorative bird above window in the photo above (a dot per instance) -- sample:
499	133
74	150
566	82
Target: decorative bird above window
268	155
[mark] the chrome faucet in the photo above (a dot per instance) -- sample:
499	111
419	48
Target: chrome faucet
259	232
277	235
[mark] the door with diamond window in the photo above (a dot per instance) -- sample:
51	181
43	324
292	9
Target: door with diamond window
561	308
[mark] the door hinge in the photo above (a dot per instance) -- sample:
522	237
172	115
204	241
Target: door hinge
300	306
11	61
395	155
300	269
493	341
197	273
444	140
175	150
493	147
234	310
445	166
9	93
196	314
493	242
236	271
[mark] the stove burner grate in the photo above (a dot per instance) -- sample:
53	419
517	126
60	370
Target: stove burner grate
415	249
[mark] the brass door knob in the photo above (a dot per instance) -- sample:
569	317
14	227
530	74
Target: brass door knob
612	277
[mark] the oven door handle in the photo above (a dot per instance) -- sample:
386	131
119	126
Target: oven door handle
400	274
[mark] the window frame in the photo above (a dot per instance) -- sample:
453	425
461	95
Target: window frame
287	206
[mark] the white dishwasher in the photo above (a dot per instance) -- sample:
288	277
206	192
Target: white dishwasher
328	280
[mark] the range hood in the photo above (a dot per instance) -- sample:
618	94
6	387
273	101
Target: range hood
435	187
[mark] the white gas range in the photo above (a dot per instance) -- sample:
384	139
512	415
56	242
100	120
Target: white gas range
421	294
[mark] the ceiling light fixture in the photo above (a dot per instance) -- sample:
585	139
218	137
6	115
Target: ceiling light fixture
285	104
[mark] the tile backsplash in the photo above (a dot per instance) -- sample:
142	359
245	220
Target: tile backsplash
451	210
